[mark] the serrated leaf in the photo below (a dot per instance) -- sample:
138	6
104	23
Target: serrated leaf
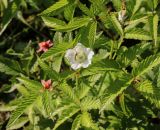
87	121
117	4
158	78
9	13
133	23
19	123
82	90
123	104
155	28
129	55
60	109
155	3
76	123
69	91
136	6
103	65
60	48
55	50
73	24
52	74
33	4
21	89
22	106
146	65
69	11
8	68
138	33
56	65
65	115
89	103
85	10
46	101
32	85
150	92
55	6
53	22
115	23
153	22
92	34
116	87
5	108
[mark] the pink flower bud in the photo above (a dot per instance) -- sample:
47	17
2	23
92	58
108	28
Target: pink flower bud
46	84
44	46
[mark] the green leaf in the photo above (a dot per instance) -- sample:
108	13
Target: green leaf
61	109
9	13
5	108
99	66
73	24
21	89
92	34
85	10
22	106
9	67
155	28
52	22
55	6
47	102
66	115
33	4
158	78
82	90
116	87
127	57
89	103
32	85
98	5
152	4
155	3
115	23
146	65
60	48
69	91
56	50
136	6
56	65
123	105
133	23
69	11
150	92
87	121
138	33
19	123
117	4
76	123
52	74
153	21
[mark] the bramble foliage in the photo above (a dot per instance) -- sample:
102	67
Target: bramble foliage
119	90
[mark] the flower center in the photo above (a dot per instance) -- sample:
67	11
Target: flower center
80	57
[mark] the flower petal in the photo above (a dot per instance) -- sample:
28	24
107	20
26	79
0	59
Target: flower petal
70	55
49	81
86	63
76	66
90	55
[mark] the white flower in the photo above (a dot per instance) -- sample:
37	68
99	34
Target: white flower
79	56
121	15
